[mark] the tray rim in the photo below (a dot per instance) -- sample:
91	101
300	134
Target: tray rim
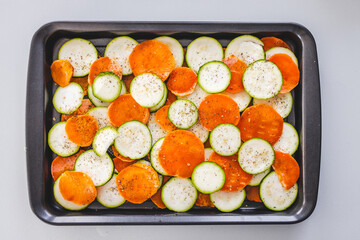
35	94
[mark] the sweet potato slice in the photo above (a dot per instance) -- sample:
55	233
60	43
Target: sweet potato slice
161	117
81	129
156	198
203	200
170	98
270	42
77	187
252	193
62	72
180	153
182	81
237	68
83	82
290	72
104	64
62	164
216	109
286	168
137	183
125	109
120	164
152	56
235	178
85	106
261	121
127	80
121	157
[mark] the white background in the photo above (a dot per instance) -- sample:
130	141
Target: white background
335	26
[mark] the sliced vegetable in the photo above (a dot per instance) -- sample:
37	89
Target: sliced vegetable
282	103
68	99
120	164
276	50
225	139
103	139
163	100
97	102
197	96
175	48
154	157
104	64
247	48
287	169
101	116
289	140
156	130
156	198
86	105
208	177
271	42
214	77
121	157
161	117
182	81
59	142
171	98
61	72
81	129
183	113
237	68
106	86
252	193
62	164
242	99
257	178
83	82
108	195
199	131
228	201
208	152
203	200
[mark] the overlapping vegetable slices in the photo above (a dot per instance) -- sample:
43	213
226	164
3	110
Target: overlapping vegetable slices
124	128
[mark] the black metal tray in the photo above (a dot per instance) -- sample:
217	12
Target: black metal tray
40	115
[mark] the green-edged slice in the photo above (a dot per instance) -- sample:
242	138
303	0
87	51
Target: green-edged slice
103	139
106	86
281	50
108	195
242	99
68	99
257	178
161	103
156	130
225	139
214	77
100	114
154	157
228	201
183	113
247	48
289	140
197	96
175	48
59	142
208	177
199	131
97	102
282	103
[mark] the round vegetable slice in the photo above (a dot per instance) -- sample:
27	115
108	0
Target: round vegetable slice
104	64
154	157
68	99
125	109
180	153
262	79
236	178
121	157
171	98
161	117
237	69
62	164
257	178
108	195
81	129
182	81
274	196
199	131
120	49
256	155
242	99
120	164
276	50
147	89
61	72
134	140
216	109
163	100
289	140
106	86
287	169
282	103
101	116
261	121
156	198
86	105
152	56
99	169
156	130
103	139
183	113
197	96
252	193
77	187
59	142
179	194
271	42
149	164
97	102
80	53
208	177
203	50
289	70
214	77
137	183
228	201
203	200
225	139
175	48
247	48
83	82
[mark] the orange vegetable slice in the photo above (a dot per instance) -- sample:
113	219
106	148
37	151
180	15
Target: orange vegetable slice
125	109
237	68
180	153
156	198
83	82
152	56
81	129
104	64
161	117
77	187
62	72
286	168
170	98
216	109
270	42
252	193
261	121
235	178
127	80
121	157
137	183
182	81
62	164
289	71
120	164
85	106
203	200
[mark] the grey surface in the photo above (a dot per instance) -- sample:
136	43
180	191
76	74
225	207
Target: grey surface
335	26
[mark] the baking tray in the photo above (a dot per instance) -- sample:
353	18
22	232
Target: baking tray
41	116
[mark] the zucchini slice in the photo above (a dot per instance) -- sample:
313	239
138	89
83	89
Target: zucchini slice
134	140
203	50
100	114
208	177
200	131
282	103
214	77
68	99
257	178
108	195
154	157
175	48
274	196
228	201
289	140
225	139
247	48
256	155
63	202
162	102
59	143
156	130
183	113
106	86
179	194
242	98
262	79
120	49
147	89
197	96
103	139
99	169
80	53
276	50
97	102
